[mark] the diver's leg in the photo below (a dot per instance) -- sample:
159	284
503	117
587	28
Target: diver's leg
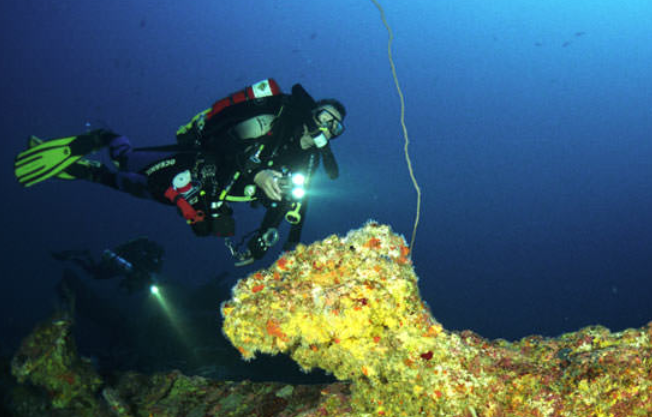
132	183
62	158
127	159
94	172
130	163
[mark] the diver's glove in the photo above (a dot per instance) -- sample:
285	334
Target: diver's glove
267	180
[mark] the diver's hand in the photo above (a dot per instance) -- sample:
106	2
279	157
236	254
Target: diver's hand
267	180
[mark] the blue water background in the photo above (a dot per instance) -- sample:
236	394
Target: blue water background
530	126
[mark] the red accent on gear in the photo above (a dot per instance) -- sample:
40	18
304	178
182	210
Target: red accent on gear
185	188
240	96
189	213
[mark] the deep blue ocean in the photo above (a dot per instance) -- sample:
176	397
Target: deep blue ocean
530	127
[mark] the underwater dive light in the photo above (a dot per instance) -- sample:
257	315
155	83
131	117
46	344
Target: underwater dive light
294	185
160	297
298	191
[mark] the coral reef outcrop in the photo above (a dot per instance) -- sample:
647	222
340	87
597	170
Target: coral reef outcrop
351	306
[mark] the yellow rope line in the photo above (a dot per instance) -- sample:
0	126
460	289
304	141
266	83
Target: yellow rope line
405	132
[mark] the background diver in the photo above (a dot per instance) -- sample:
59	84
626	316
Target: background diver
138	262
244	148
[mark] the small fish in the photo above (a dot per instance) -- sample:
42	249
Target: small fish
578	34
565	44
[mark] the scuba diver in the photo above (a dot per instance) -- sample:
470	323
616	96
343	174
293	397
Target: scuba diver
138	262
257	145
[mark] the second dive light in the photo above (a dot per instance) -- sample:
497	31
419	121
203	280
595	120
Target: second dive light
293	185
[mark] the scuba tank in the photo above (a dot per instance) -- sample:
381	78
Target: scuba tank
118	262
265	88
260	98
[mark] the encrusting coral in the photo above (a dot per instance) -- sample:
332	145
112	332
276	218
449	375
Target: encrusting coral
48	358
351	306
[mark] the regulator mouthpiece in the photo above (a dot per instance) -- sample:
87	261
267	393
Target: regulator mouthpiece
320	140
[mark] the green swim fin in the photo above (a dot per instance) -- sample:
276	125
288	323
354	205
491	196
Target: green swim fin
51	158
80	169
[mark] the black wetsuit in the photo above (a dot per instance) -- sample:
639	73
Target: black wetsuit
216	159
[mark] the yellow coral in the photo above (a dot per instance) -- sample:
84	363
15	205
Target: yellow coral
352	306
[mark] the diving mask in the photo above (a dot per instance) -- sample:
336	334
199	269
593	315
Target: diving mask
326	122
332	123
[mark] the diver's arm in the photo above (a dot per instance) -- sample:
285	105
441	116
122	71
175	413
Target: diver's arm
267	180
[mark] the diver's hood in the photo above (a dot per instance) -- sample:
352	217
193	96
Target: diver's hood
302	105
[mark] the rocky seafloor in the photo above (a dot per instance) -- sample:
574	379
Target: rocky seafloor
350	306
